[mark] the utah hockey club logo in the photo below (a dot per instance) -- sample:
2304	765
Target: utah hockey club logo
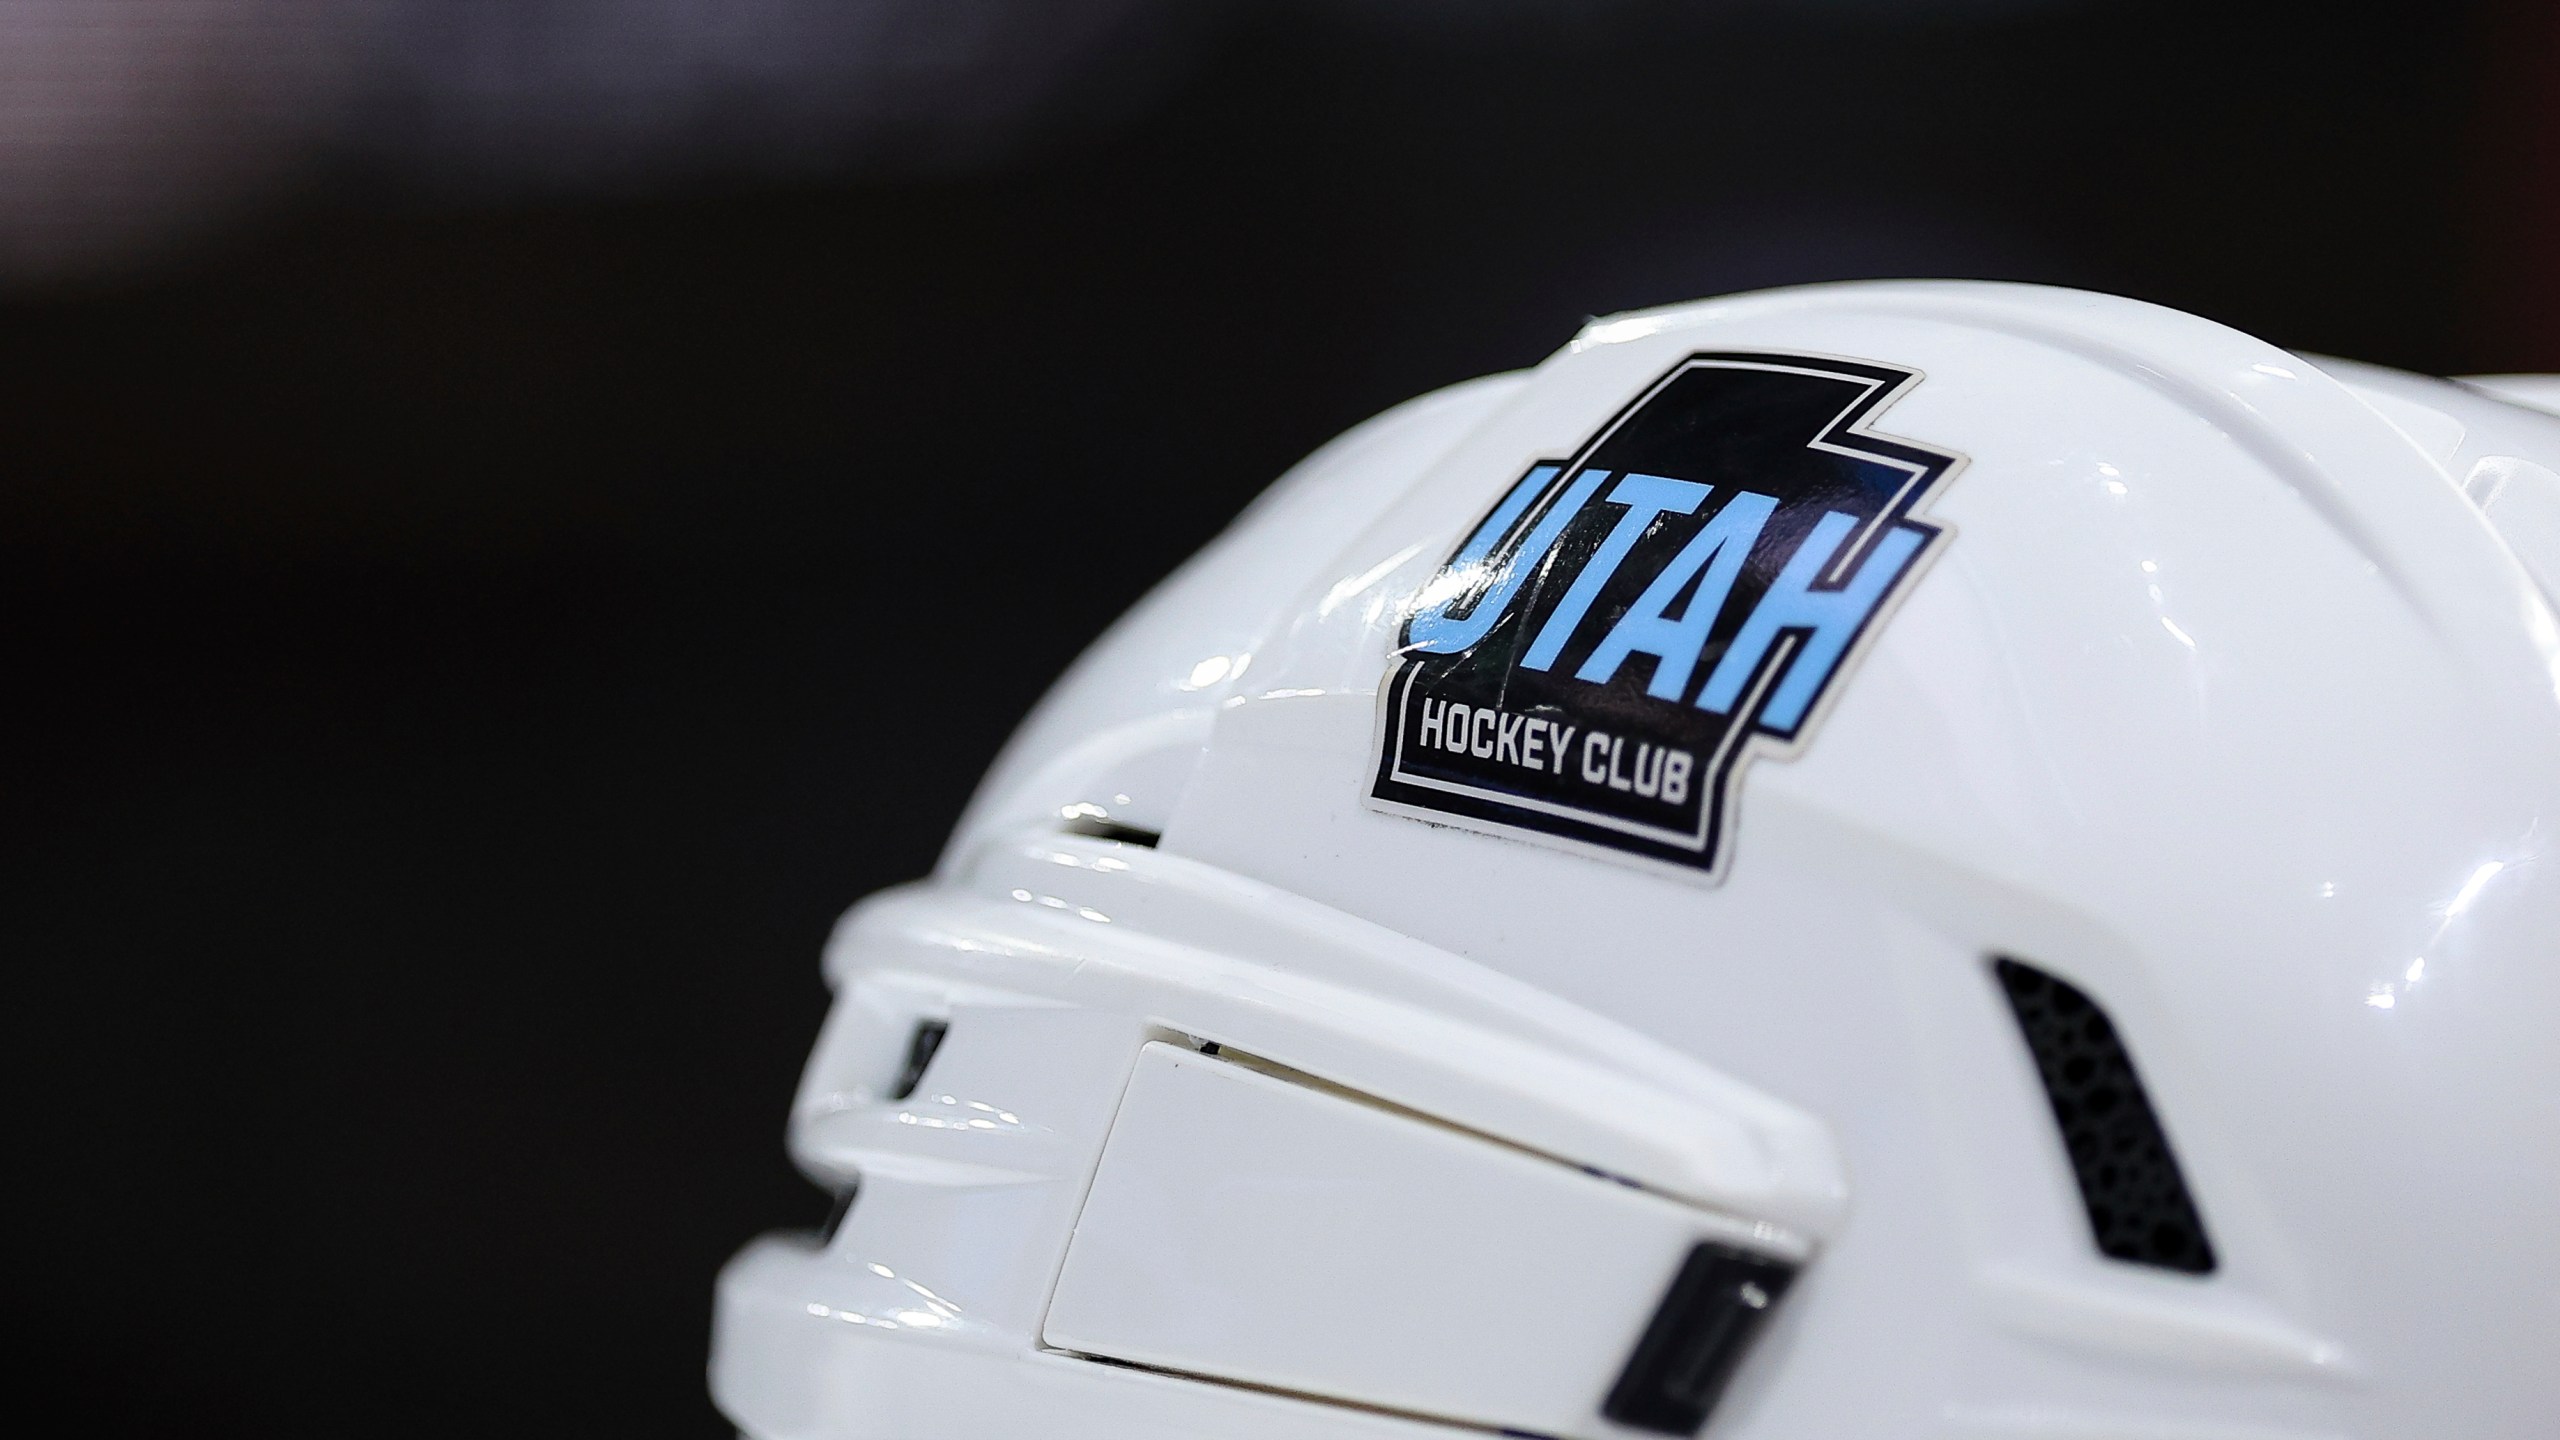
1628	627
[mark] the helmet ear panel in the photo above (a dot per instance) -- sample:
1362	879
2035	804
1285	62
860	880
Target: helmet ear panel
1254	1225
1227	1134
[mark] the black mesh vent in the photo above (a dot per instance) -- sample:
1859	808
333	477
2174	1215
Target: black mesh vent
2139	1208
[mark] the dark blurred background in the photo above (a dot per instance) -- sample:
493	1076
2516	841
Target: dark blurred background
516	512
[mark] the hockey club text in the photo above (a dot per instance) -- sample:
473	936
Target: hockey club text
1619	634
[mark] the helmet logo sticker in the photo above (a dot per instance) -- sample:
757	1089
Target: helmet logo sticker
1627	628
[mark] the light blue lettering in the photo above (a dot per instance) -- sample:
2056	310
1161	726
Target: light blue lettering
1432	630
1646	498
1832	617
1646	628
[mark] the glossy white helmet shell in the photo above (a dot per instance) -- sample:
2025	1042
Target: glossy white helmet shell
2231	696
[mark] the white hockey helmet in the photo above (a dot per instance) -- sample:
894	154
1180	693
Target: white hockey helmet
1874	860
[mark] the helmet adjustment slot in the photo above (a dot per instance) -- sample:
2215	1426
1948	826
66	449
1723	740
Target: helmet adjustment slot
1716	1305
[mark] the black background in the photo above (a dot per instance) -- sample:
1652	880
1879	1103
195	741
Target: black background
461	657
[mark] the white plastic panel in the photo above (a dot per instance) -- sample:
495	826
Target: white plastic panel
1256	1229
2542	392
2522	501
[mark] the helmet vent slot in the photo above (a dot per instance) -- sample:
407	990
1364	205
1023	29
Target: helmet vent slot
1717	1303
926	1038
2140	1209
839	1205
1100	828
